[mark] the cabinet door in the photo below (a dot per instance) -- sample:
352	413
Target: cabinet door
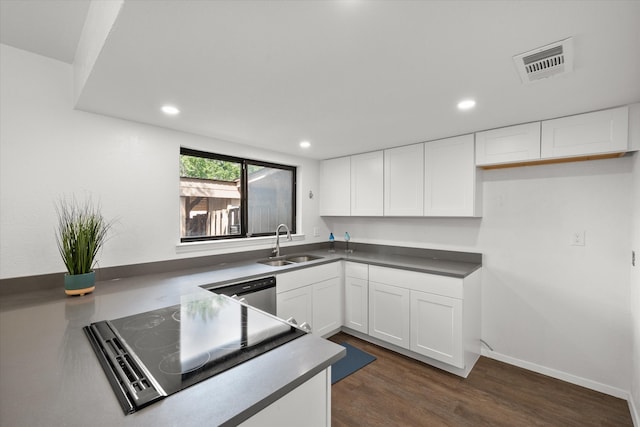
367	184
436	327
327	306
297	304
404	181
389	318
450	177
592	133
335	188
508	145
356	304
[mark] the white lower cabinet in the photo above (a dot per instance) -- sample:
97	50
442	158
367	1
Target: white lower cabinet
356	296
429	317
312	295
428	314
389	313
327	309
356	303
297	304
436	327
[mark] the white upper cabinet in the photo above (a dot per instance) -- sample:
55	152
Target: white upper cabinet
450	177
335	188
508	145
591	133
367	184
404	181
440	178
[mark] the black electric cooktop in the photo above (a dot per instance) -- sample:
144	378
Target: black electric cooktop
151	355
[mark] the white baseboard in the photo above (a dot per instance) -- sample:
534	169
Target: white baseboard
573	379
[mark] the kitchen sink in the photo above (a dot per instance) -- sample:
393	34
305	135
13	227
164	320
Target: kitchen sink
275	262
302	258
287	260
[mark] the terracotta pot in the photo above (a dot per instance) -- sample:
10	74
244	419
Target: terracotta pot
79	284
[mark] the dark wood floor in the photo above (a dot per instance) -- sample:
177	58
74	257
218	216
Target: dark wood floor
395	390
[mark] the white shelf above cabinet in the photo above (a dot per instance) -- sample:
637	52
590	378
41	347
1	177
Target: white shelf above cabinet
518	143
599	132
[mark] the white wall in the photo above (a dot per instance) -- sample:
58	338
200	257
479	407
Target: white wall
635	292
549	306
48	150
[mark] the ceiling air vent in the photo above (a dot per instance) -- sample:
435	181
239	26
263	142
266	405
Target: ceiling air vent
546	61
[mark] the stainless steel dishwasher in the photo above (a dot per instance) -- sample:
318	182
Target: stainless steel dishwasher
259	293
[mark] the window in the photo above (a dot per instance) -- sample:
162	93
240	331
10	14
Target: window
223	197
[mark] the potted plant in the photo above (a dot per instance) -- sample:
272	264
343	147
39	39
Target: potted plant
82	230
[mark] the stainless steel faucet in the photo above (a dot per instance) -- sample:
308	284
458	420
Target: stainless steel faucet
276	251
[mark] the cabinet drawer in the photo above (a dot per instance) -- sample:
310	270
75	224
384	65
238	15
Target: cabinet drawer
425	282
306	276
357	270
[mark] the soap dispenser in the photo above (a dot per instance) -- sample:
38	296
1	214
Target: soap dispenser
332	243
347	237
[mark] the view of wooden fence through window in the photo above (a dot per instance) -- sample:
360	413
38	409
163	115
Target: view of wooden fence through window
209	197
227	197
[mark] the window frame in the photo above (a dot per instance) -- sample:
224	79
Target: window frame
244	186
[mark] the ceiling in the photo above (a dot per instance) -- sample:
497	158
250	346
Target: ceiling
349	75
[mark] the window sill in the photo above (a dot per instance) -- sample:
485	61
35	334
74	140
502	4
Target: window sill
209	245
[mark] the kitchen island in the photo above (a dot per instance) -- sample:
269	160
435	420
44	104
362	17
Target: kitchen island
49	374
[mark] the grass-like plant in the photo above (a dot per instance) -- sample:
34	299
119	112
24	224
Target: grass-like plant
82	231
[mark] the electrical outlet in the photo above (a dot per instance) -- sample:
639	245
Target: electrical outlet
577	238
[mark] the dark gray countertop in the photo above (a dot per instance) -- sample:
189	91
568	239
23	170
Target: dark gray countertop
49	374
221	274
441	267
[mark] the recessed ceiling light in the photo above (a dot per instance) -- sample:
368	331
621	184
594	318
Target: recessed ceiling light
466	104
170	110
305	144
